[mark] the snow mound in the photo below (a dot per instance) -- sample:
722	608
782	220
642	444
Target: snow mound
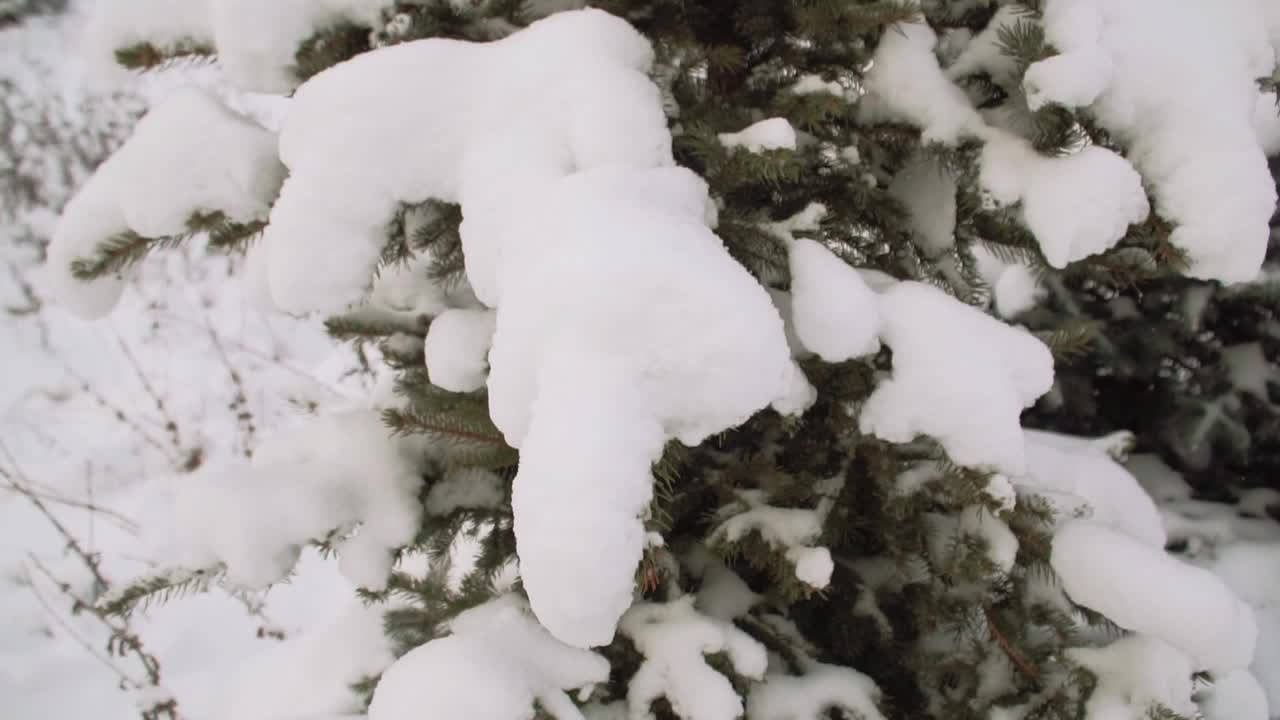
1074	472
1134	673
770	134
972	401
457	349
1110	572
834	313
624	323
494	147
674	639
1186	117
190	154
495	665
333	472
621	320
820	689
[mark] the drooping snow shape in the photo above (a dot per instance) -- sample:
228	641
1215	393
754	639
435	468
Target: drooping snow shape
495	665
1187	117
1052	192
793	530
624	323
834	313
490	151
906	84
457	349
190	154
256	42
959	376
770	134
332	472
1248	568
1134	673
674	640
1141	588
1002	544
1015	288
808	697
1070	470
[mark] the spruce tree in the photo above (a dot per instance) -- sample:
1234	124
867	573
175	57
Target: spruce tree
1187	365
849	552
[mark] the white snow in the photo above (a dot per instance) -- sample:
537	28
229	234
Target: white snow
330	473
907	84
1053	192
256	42
813	565
1015	287
673	638
814	84
1235	696
1116	575
834	313
1133	673
971	403
792	530
457	348
1248	568
769	134
652	333
497	145
723	594
1002	544
821	688
1186	117
1078	472
190	154
621	319
495	664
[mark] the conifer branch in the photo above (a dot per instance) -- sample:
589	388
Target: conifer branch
1014	656
144	56
158	587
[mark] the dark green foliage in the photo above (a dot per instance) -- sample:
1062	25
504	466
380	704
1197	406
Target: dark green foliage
158	587
120	252
330	47
145	56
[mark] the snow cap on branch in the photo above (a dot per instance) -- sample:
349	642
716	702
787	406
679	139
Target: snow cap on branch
190	155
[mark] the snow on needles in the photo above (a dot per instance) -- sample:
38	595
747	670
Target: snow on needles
256	41
1187	117
1113	573
971	401
1190	123
190	154
496	144
330	473
495	664
621	320
624	323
